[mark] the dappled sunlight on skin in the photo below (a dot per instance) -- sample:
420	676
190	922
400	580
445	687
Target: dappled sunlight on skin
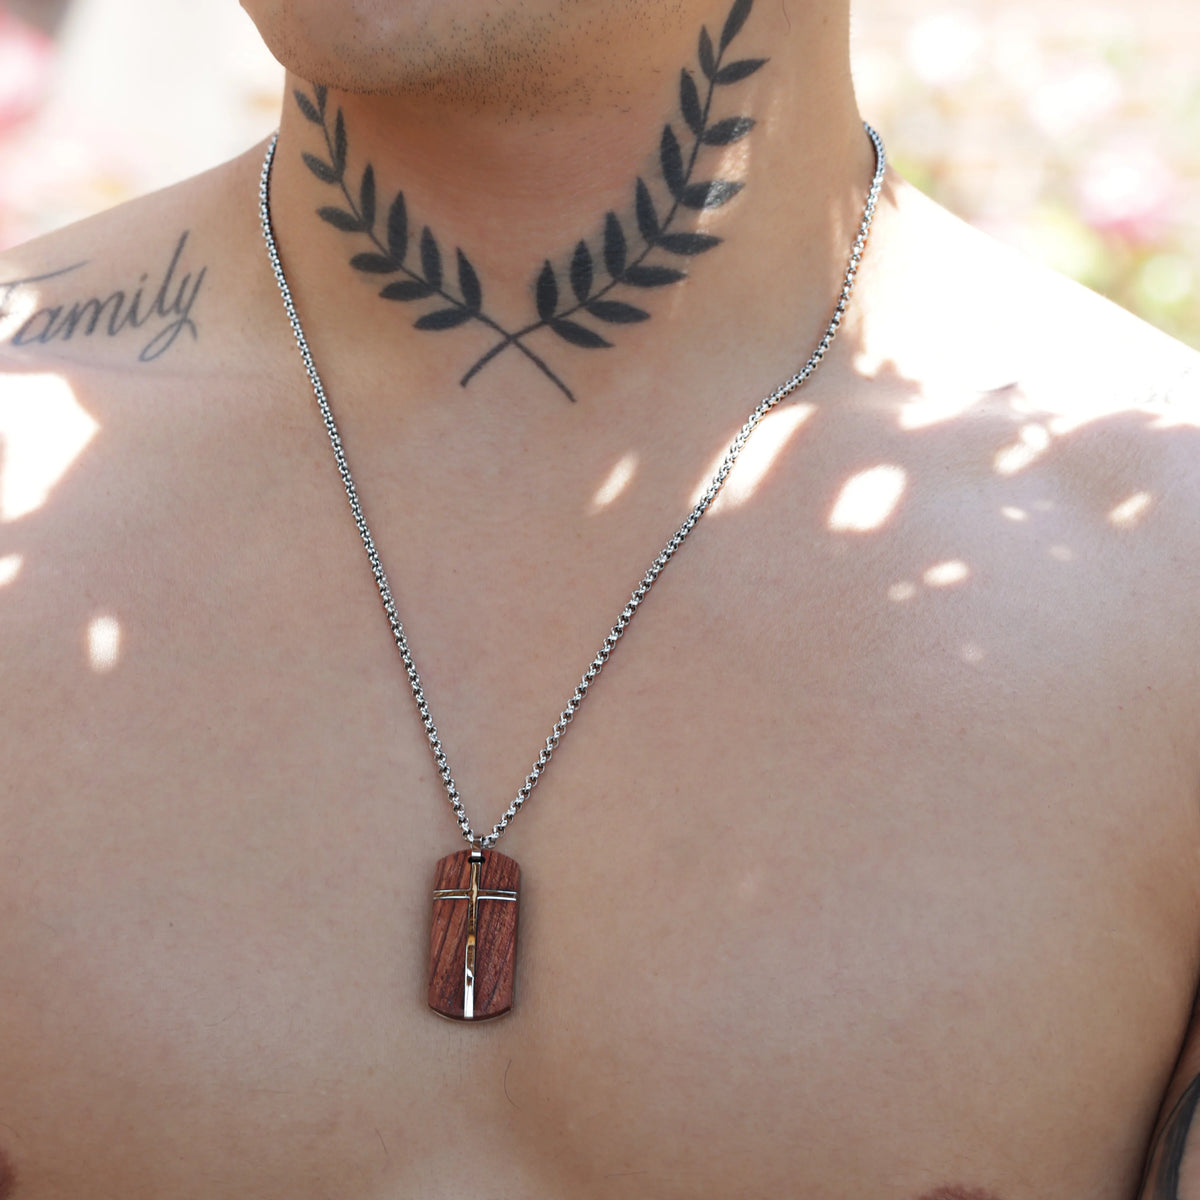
1089	408
43	429
940	575
946	574
1042	480
1032	442
995	491
616	483
10	568
1129	512
733	163
768	442
15	311
868	499
935	404
103	643
1170	417
886	582
19	300
1164	414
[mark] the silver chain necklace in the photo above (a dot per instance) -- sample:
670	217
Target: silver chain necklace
463	991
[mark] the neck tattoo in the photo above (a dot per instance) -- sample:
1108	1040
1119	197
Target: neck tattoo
603	276
472	958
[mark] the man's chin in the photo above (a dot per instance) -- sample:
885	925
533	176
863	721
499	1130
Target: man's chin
518	54
449	49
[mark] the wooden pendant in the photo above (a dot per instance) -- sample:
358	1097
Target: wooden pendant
473	944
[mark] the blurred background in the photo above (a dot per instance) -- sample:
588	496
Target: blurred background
1070	128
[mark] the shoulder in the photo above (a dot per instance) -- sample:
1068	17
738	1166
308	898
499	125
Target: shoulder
961	296
971	335
1046	437
124	330
131	286
128	374
128	320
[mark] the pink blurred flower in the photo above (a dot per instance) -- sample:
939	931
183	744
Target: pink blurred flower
53	172
25	57
944	48
1128	190
1075	98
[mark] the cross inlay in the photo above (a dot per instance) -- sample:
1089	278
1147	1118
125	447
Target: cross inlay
473	893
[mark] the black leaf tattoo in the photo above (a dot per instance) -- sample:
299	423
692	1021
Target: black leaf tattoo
724	133
547	293
468	284
431	258
688	243
397	230
408	289
578	335
444	318
709	195
358	215
647	219
339	145
366	197
671	159
689	103
373	264
587	292
649	277
615	246
734	22
339	218
737	71
708	62
581	271
617	311
320	168
656	234
307	107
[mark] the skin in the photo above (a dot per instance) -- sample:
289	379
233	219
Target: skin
869	868
518	59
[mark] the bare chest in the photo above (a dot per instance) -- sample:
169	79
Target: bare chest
838	889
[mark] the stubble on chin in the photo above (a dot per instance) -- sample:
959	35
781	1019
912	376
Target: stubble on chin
524	56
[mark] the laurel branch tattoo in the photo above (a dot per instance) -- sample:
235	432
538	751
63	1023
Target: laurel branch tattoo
592	275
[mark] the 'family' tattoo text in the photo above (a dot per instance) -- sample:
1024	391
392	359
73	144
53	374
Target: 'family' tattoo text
164	304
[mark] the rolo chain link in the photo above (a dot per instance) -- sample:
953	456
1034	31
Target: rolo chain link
656	567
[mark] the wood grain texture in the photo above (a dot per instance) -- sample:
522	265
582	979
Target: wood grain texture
496	937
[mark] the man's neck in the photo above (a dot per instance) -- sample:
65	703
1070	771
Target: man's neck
685	183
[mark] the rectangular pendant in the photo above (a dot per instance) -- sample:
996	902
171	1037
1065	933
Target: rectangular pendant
473	942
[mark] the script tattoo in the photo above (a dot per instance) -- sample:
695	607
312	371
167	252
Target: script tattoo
168	311
1166	1163
595	273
